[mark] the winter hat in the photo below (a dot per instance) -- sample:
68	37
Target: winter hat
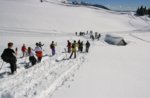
10	44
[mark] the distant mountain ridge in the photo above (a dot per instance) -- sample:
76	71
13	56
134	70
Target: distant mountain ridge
74	2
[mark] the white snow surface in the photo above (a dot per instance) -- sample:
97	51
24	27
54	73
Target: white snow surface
107	71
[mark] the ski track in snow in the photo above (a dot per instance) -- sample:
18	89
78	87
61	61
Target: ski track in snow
45	76
147	41
31	32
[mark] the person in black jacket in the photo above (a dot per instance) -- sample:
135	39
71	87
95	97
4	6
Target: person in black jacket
41	45
99	35
31	54
52	46
81	46
8	56
87	46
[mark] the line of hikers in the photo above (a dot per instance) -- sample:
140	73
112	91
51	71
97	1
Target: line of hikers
9	55
92	36
97	36
73	47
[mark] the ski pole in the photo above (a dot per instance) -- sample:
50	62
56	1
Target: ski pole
2	65
16	51
65	52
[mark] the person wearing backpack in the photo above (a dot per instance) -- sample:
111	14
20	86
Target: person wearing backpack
39	52
87	45
69	46
31	54
78	45
74	50
52	46
81	46
24	50
9	56
99	35
41	45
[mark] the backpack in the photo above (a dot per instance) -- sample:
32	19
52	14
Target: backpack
4	58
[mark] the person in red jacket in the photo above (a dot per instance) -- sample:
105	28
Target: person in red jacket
24	50
39	52
69	46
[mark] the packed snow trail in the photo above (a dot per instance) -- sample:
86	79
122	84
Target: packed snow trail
41	78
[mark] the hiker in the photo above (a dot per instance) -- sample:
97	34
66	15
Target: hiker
91	33
87	32
99	35
24	50
92	37
41	45
69	46
52	46
96	35
31	54
87	46
81	46
76	33
82	33
38	51
73	49
77	45
9	56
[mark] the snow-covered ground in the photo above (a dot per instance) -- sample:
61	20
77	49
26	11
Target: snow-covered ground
107	71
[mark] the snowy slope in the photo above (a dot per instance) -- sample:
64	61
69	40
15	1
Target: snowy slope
107	71
51	16
113	72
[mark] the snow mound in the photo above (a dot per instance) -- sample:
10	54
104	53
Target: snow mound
115	40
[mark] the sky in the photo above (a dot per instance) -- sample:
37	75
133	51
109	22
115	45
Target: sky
121	4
